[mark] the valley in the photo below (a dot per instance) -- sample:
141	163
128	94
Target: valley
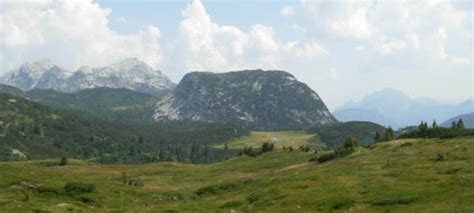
236	106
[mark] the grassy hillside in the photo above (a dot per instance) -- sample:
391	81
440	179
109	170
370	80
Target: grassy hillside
334	135
279	139
468	120
411	175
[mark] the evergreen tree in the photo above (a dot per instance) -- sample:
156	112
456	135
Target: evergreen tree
453	125
434	125
460	124
378	137
350	143
64	161
388	134
267	147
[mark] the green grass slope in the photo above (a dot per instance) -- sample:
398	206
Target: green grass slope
280	139
397	176
334	135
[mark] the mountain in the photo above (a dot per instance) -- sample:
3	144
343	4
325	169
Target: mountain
391	107
468	120
105	103
263	100
129	73
11	90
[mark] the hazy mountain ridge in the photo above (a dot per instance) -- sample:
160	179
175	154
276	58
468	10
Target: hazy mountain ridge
265	100
129	73
468	120
394	108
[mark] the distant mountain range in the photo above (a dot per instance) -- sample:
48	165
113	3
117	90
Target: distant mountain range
263	100
129	73
468	120
391	107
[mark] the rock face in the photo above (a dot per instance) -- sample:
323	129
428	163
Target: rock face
129	73
262	100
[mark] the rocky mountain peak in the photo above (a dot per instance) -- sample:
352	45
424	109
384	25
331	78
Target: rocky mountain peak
129	73
264	100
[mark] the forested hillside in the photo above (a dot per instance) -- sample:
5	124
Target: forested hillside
31	130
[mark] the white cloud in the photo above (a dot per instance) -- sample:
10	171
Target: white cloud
206	45
462	61
439	42
71	33
288	10
334	74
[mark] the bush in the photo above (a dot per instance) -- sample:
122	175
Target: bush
393	201
267	147
64	161
74	187
136	182
406	144
350	143
348	148
215	189
326	157
47	190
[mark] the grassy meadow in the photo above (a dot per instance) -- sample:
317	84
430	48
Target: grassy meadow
279	138
410	175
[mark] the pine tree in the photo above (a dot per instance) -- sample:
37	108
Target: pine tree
388	134
460	124
434	125
453	125
64	161
378	137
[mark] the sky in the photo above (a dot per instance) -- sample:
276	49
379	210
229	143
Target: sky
341	49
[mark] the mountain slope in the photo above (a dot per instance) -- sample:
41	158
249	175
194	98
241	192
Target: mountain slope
105	103
394	108
120	104
129	73
468	120
37	131
264	100
332	136
395	176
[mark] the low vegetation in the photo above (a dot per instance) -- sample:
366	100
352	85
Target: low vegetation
334	135
387	177
424	131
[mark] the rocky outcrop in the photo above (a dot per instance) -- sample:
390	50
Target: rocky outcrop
129	73
262	100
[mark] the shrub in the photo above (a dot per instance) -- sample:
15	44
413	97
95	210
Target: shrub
393	201
346	150
267	147
47	190
214	189
350	143
136	182
440	157
64	161
74	187
406	144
